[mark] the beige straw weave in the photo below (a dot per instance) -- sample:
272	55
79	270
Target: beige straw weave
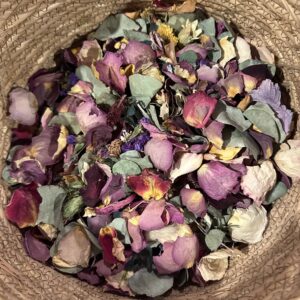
31	31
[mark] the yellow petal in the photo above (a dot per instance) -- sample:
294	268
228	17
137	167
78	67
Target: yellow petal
225	154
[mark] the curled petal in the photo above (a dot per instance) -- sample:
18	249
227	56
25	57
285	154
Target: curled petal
154	216
248	225
116	206
176	216
109	71
90	116
187	163
97	222
217	180
23	106
288	158
243	49
114	189
250	82
149	185
198	109
194	201
23	207
258	181
213	132
196	48
163	158
210	74
138	241
69	104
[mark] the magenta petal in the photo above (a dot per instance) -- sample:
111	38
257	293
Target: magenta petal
23	207
201	52
213	132
97	222
176	216
109	71
116	206
186	251
160	153
198	109
216	180
35	248
138	53
68	104
206	73
152	217
114	189
90	116
165	263
194	201
138	242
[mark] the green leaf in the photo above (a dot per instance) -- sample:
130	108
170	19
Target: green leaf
126	167
67	119
114	26
154	117
150	284
189	56
142	162
216	54
120	225
101	92
50	211
130	154
144	87
236	138
278	191
6	176
214	239
71	207
209	26
132	35
230	115
263	117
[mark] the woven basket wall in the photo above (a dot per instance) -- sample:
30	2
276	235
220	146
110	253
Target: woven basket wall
31	31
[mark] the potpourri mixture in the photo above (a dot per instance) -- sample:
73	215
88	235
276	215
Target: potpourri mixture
151	153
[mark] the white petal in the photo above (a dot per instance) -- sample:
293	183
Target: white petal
243	49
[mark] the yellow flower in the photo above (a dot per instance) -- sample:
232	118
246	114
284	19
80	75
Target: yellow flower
166	32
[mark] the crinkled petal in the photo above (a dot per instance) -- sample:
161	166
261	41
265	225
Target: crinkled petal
234	85
194	201
210	74
138	241
213	131
116	206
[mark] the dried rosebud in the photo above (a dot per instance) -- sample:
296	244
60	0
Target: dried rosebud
248	225
23	207
214	265
149	185
23	106
288	158
217	180
198	109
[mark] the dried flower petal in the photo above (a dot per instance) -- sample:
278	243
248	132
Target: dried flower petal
194	201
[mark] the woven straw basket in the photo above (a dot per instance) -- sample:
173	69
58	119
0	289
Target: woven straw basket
31	31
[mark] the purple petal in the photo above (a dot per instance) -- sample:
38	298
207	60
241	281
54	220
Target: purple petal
90	116
35	248
152	217
114	189
99	136
265	142
90	276
201	52
165	263
138	53
109	71
176	216
216	180
103	270
163	158
96	179
234	85
116	206
206	73
194	201
97	222
23	106
186	251
68	104
213	132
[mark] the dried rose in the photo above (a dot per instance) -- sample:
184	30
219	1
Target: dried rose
149	185
23	207
248	225
258	181
198	109
217	180
214	265
288	158
23	106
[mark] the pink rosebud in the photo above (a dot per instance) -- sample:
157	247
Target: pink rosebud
198	109
23	207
